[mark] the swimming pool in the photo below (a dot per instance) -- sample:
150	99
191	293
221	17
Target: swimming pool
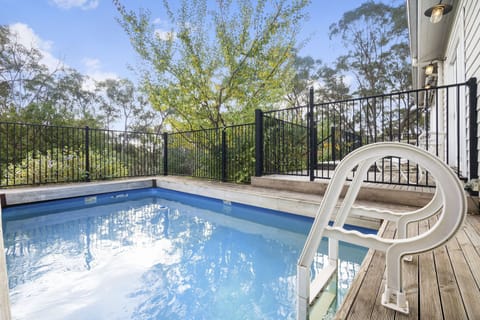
157	254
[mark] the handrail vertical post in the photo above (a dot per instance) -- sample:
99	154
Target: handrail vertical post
258	143
473	137
165	154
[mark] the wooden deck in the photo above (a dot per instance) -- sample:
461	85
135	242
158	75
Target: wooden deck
440	284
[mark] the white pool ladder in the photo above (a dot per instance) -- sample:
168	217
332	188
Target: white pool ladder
449	200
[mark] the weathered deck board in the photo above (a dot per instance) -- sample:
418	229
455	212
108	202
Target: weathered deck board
465	280
440	284
410	275
429	295
471	255
371	283
449	292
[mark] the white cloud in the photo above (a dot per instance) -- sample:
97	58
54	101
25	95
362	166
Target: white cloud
91	64
95	73
25	36
163	30
165	35
349	80
82	4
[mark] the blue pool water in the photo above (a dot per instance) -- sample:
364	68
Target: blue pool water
157	254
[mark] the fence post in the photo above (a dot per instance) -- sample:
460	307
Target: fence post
312	136
224	155
165	154
332	134
473	139
87	154
258	143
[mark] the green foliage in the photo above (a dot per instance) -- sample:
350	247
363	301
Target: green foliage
240	157
286	144
62	166
202	79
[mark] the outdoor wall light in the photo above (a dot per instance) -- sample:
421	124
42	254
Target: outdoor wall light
429	69
438	11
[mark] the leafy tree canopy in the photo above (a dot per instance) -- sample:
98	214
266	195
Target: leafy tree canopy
30	92
216	65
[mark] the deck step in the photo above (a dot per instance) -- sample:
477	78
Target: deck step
331	165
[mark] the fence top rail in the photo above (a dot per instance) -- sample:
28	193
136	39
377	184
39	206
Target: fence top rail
39	125
285	109
395	93
193	131
125	132
240	125
212	129
27	124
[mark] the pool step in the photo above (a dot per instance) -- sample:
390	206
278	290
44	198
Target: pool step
320	306
321	281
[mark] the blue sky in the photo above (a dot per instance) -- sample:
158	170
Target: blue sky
85	35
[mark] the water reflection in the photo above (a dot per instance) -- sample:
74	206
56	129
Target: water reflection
153	259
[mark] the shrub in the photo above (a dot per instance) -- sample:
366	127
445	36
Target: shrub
62	165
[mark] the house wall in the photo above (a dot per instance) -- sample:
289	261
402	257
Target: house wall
472	45
472	37
462	60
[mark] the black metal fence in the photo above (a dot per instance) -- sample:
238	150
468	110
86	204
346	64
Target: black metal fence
225	154
311	139
38	154
304	141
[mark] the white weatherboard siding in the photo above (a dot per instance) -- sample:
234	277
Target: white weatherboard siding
454	72
454	44
472	44
472	38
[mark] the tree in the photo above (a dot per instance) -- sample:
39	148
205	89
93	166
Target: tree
121	99
121	96
306	74
30	92
375	36
24	79
216	66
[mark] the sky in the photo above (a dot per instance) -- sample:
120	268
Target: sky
84	34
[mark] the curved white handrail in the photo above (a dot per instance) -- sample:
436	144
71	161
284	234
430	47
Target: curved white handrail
449	198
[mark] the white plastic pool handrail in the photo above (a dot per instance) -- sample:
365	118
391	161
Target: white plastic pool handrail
449	198
4	292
